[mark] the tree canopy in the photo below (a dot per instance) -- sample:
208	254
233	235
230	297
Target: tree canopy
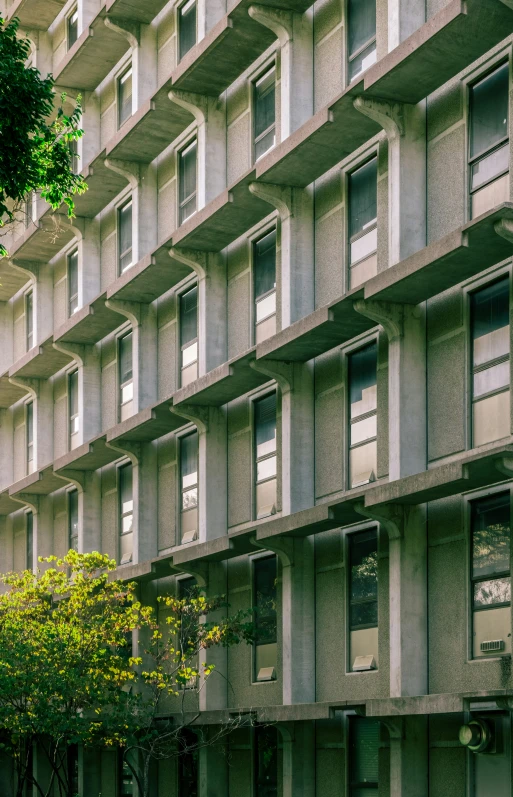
36	136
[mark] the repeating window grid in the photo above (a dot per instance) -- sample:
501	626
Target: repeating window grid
265	453
264	112
126	513
264	285
72	28
29	436
488	140
189	486
29	521
489	322
361	40
125	252
489	567
73	406
125	90
73	282
187	27
189	335
73	520
187	178
362	414
29	320
125	369
362	221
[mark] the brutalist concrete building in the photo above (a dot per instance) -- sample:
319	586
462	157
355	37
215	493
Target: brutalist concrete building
271	353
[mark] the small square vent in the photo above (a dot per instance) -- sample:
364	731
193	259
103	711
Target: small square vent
492	646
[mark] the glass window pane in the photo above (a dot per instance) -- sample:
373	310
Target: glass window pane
491	535
72	28
189	355
73	519
73	274
125	96
189	316
495	590
30	540
362	380
190	499
125	232
30	421
364	245
29	318
362	464
266	498
125	488
265	106
490	322
266	328
189	458
365	751
266	468
264	264
489	110
265	143
265	424
363	555
364	614
73	393
490	166
188	172
491	379
266	761
363	197
187	23
490	196
363	61
363	430
362	23
266	307
125	358
264	586
491	419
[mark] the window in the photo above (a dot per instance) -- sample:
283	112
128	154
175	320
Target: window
29	519
265	455
126	383
264	268
361	36
363	416
29	320
125	777
73	282
187	167
75	157
126	513
188	764
363	599
72	765
266	761
490	575
363	756
187	24
265	651
189	486
124	96
28	208
265	113
29	432
489	142
490	363
363	230
72	28
189	335
125	236
74	417
73	520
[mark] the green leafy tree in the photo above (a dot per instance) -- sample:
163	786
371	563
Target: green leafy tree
35	136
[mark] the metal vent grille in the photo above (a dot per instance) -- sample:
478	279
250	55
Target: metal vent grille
493	645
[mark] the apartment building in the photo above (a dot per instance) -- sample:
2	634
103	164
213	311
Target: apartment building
271	353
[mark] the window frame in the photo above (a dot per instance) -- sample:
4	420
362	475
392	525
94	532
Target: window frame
121	385
255	459
270	66
28	307
183	202
254	756
187	432
71	297
254	560
348	352
29	441
181	346
253	242
179	11
72	492
348	535
127	71
352	168
122	515
128	201
29	540
350	719
73	416
69	18
350	57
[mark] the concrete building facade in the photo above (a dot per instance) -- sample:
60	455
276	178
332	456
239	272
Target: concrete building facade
271	353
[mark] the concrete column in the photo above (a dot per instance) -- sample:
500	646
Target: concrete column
405	126
296	280
7	448
90	144
298	744
409	763
209	14
295	34
43	304
213	771
43	528
210	116
144	64
404	18
214	693
210	268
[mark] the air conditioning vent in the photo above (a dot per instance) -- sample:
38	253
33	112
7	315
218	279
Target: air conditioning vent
492	646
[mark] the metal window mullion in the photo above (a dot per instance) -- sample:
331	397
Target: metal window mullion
485	152
361	49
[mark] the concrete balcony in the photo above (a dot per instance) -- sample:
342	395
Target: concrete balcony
43	239
42	482
448	43
443	264
223	384
89	456
134	9
12	279
38	14
103	185
9	393
89	324
147	425
41	362
7	505
223	220
149	278
229	49
96	51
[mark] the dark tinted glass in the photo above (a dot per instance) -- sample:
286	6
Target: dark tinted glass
188	14
189	316
265	574
73	518
265	419
30	422
125	358
30	540
265	264
362	23
265	103
189	454
125	484
73	393
125	228
362	371
489	110
363	207
73	274
364	733
491	535
490	308
188	172
266	762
